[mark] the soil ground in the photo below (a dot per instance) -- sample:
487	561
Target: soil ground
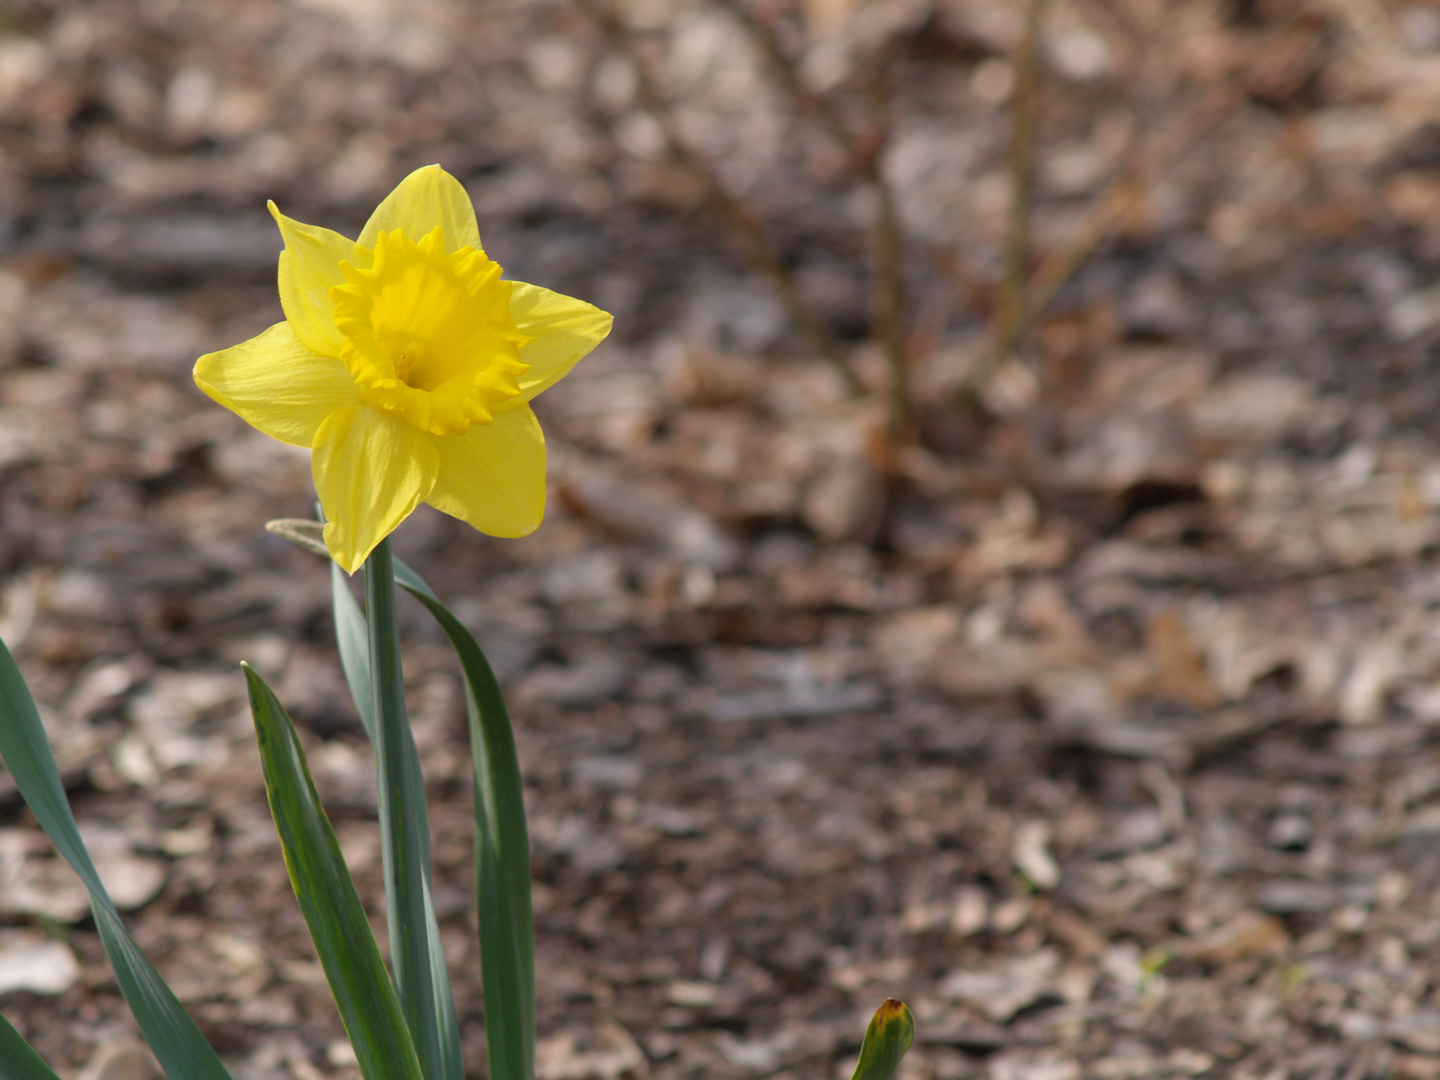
1097	718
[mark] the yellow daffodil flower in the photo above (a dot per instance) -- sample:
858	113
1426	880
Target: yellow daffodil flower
407	365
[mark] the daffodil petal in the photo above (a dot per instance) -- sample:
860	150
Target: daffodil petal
309	269
493	476
278	385
424	199
371	470
564	329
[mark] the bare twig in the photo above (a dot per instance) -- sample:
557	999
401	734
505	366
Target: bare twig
785	72
888	300
751	232
865	154
1024	127
1121	195
1153	153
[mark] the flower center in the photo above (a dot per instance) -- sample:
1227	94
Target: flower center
428	333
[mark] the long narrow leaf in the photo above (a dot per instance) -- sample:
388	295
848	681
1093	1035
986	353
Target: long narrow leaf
177	1043
352	636
18	1059
338	925
507	924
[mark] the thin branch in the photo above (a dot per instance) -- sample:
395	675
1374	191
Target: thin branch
865	153
1025	124
1153	153
888	301
756	242
1158	152
787	74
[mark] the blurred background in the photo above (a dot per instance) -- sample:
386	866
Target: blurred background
992	562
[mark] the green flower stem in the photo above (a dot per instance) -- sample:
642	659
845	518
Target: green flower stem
404	828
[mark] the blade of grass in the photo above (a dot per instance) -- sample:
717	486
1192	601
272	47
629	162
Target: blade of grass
338	925
887	1039
177	1043
502	852
18	1059
404	825
352	635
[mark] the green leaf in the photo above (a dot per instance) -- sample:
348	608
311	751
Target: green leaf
887	1039
332	909
177	1043
502	857
18	1059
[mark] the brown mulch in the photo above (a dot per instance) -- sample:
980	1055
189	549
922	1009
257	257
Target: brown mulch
1098	722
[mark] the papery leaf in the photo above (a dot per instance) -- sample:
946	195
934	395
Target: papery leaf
887	1039
302	532
338	924
177	1043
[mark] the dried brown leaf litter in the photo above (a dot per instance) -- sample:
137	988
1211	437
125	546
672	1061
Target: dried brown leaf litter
1097	720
